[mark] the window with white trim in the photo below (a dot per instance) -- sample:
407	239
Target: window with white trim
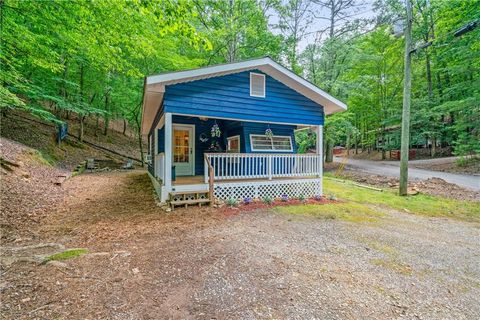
260	142
233	144
257	85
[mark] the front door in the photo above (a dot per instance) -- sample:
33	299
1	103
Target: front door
183	149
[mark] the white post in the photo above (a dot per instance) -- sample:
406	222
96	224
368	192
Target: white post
168	152
205	169
319	149
269	164
154	153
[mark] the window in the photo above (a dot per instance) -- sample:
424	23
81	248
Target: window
233	144
257	85
276	143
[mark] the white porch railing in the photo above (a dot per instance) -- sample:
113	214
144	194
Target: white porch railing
232	166
160	166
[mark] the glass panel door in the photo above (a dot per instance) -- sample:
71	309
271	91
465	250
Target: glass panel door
183	145
181	152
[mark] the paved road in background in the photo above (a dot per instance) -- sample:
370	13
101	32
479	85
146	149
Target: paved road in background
392	169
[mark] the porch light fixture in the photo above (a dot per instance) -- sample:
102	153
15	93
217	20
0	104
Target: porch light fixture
203	118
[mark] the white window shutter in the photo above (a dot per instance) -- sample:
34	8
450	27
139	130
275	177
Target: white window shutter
257	85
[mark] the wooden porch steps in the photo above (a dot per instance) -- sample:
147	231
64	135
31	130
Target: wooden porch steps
186	198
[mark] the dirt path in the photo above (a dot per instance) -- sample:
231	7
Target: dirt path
201	264
392	169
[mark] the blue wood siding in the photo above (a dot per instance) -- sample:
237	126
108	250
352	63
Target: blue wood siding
229	97
161	140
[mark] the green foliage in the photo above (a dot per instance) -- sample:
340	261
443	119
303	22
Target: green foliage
78	59
85	58
267	200
65	255
231	202
366	70
237	30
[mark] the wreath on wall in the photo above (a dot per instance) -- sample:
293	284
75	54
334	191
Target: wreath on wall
203	138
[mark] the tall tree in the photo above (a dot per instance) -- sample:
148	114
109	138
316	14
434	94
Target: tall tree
295	17
237	29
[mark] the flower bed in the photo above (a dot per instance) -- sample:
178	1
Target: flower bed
229	208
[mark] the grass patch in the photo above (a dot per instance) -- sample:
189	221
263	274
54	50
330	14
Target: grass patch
419	204
65	255
380	247
396	266
347	211
468	161
41	157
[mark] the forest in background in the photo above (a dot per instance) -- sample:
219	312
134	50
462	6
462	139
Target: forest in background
86	60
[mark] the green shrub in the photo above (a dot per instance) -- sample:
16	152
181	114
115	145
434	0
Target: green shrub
267	200
232	202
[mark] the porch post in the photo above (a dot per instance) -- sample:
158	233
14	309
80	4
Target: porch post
319	151
205	168
168	152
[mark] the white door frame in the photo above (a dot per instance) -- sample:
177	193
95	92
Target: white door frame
192	144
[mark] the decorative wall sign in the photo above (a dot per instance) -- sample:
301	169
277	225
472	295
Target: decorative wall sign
203	138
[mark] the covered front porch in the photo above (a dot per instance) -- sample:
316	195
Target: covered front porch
220	156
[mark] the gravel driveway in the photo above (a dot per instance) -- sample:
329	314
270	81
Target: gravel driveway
204	264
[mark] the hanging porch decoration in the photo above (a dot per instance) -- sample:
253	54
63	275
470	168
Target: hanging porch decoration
215	131
269	133
215	143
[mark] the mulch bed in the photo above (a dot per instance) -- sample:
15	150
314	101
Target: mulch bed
29	191
431	186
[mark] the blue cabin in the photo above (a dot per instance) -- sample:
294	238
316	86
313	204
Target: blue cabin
228	131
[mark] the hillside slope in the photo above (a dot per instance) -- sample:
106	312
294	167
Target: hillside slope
32	164
40	135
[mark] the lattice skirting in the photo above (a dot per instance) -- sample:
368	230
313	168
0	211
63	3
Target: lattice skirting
274	189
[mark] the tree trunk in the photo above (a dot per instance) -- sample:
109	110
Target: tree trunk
124	127
106	125
107	117
62	89
139	134
97	126
429	76
80	133
347	145
329	151
434	147
81	117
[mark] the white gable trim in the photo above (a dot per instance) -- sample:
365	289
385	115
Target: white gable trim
266	65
